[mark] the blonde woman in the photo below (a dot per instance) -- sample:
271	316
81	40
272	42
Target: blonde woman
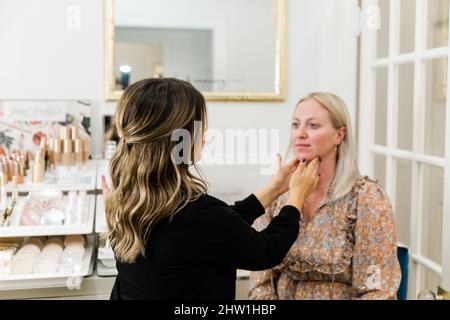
170	238
347	244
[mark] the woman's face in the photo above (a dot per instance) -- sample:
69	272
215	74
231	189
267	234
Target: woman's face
312	133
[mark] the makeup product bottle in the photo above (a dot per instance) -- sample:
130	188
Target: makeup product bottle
15	192
22	169
38	170
81	206
71	207
15	171
27	160
10	208
86	147
110	148
67	154
74	133
64	132
50	162
9	171
43	143
79	153
57	152
3	197
4	165
19	170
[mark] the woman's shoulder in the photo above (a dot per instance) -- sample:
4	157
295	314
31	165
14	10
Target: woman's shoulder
205	202
365	185
371	194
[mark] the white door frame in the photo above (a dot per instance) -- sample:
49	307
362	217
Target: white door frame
367	147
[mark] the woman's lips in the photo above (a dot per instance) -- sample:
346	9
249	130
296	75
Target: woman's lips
302	145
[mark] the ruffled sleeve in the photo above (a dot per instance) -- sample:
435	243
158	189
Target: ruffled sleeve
376	271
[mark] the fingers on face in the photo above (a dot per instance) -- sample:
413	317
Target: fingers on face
314	165
301	165
279	161
293	165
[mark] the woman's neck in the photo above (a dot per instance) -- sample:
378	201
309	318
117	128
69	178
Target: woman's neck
327	171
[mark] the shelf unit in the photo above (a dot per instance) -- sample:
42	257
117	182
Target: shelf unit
84	180
16	230
35	281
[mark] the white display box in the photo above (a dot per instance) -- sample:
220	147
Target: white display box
16	230
106	262
83	180
104	271
53	280
242	274
100	221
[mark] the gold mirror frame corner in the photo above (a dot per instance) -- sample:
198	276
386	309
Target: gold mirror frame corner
280	62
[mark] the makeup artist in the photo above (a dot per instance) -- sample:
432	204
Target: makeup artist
170	238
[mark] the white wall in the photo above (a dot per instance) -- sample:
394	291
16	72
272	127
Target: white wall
41	59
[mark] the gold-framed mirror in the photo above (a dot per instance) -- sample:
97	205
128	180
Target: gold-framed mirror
231	50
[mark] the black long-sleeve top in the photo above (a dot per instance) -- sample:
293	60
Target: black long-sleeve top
196	255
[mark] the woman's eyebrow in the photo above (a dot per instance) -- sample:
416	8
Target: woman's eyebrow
309	119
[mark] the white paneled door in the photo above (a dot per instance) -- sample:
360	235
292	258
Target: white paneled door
404	139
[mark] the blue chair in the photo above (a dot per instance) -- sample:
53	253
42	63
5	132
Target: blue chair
403	259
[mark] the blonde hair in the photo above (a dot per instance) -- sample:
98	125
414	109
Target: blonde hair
147	183
347	171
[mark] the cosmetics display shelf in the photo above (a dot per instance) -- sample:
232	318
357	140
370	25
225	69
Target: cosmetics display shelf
16	230
84	179
70	280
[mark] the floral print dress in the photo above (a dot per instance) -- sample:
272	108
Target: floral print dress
348	251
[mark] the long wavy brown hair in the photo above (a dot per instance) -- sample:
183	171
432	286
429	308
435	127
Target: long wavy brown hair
148	184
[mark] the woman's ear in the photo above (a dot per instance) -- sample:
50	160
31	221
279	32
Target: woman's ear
340	135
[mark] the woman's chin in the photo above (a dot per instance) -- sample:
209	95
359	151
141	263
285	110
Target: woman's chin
307	157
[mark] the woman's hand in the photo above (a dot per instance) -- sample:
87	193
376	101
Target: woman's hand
278	184
303	182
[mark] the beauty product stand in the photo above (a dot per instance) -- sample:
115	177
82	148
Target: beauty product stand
17	230
84	180
51	280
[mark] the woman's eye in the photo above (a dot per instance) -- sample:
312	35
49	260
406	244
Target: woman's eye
295	125
313	125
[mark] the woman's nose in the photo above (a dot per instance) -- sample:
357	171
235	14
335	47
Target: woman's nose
302	133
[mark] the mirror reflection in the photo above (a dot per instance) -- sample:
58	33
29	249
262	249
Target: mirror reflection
210	43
